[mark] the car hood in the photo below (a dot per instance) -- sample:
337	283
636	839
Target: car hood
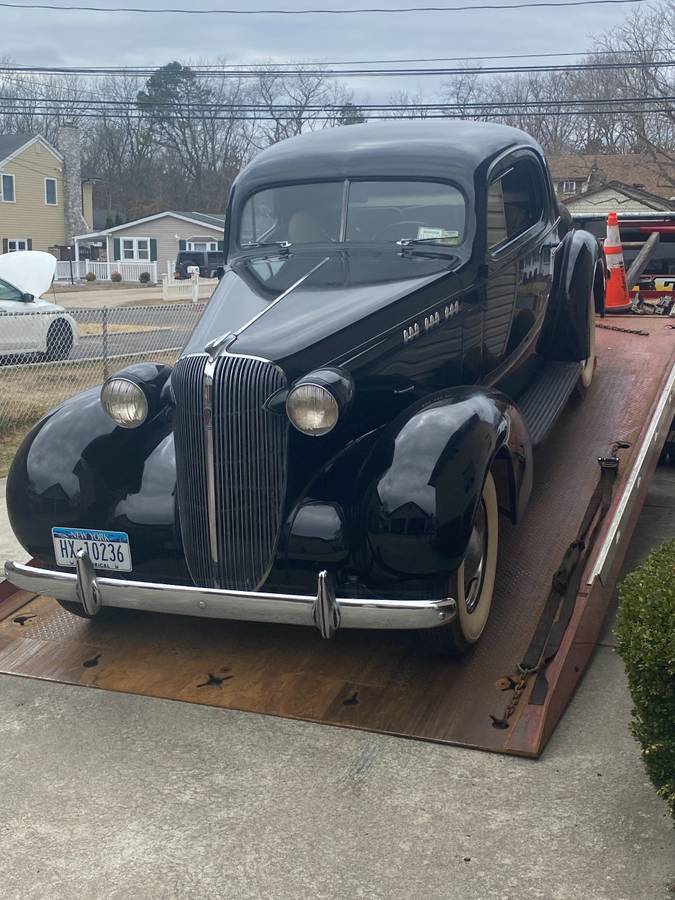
279	305
30	271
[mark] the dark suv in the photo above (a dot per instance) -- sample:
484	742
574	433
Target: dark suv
211	265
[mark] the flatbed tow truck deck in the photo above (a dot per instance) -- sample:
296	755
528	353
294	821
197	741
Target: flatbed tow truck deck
380	681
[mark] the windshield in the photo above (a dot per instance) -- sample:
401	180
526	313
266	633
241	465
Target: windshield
355	212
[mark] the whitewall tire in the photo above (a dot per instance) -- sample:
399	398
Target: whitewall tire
473	583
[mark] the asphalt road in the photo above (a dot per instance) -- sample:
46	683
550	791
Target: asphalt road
132	330
159	328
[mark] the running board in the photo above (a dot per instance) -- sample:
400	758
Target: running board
545	399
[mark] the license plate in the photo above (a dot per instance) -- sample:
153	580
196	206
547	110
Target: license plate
106	549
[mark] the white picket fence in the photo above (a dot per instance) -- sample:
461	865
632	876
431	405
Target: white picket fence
184	289
130	271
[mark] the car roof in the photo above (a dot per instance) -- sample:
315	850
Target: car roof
448	149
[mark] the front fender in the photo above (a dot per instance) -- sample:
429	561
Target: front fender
424	478
577	273
77	469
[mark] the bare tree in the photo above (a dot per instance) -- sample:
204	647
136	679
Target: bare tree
289	105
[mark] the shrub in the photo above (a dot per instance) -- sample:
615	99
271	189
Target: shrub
90	276
116	277
144	277
646	641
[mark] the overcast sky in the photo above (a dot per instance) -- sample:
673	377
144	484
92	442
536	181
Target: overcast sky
82	38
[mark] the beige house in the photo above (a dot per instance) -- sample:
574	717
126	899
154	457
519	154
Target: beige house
43	199
649	180
157	238
617	197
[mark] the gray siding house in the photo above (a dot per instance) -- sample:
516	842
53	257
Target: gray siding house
158	238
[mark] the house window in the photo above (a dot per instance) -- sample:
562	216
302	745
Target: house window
569	187
135	248
8	195
17	244
50	191
202	246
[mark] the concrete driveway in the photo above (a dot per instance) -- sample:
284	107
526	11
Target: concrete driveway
115	796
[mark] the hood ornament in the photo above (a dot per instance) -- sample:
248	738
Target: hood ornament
214	347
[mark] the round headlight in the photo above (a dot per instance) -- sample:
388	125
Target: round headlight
125	402
312	409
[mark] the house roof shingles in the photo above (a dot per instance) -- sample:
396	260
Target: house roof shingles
211	219
9	143
631	169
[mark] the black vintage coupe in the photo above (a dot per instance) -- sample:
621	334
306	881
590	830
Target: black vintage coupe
405	311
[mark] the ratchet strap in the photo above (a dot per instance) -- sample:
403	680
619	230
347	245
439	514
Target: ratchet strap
559	606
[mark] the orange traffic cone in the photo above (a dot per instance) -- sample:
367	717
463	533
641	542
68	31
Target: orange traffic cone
617	299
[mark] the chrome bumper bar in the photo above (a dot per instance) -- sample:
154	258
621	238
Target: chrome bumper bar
325	611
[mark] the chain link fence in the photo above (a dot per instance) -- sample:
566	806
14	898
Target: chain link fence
47	357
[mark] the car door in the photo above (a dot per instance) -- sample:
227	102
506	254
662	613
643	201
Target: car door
13	323
519	229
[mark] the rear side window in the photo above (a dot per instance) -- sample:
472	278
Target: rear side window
515	202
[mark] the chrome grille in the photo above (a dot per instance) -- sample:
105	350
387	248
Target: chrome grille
230	539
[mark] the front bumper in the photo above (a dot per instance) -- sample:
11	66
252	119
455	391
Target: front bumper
325	611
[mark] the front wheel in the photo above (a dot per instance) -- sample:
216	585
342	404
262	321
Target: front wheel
59	340
473	583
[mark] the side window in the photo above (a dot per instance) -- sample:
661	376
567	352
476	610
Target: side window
496	217
515	202
9	292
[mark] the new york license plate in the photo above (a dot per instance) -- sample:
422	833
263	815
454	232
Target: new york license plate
106	549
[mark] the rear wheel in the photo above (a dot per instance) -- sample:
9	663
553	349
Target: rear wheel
59	340
472	584
589	364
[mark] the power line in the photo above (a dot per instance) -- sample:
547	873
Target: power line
315	12
368	62
238	117
188	107
210	68
300	72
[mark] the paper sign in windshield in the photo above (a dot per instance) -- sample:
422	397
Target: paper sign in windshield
442	235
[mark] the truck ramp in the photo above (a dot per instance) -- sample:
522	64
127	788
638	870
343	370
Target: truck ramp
381	681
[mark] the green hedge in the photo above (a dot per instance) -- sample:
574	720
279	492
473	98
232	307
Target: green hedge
646	641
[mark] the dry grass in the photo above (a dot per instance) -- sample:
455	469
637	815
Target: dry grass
91	329
28	392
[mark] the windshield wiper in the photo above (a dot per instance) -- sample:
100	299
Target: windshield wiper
408	242
409	246
252	245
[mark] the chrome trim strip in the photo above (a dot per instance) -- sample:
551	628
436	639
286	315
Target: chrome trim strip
660	419
209	456
344	211
291	609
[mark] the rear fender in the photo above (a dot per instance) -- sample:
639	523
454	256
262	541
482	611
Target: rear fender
578	271
423	480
